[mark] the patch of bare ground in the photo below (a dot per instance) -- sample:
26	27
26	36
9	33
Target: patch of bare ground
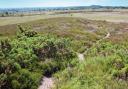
80	56
47	83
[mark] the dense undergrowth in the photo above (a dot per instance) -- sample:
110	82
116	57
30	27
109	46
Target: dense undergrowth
105	67
24	59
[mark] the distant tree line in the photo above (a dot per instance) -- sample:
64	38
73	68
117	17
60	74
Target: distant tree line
22	11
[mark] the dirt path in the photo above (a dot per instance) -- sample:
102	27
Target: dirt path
47	83
107	36
81	55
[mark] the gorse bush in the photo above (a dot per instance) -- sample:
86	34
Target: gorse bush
24	32
27	57
54	49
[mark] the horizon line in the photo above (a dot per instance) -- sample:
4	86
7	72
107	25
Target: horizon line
63	6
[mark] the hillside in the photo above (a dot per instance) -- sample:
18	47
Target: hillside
75	53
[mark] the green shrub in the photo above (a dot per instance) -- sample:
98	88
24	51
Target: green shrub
27	57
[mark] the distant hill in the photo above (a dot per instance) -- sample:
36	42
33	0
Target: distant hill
10	11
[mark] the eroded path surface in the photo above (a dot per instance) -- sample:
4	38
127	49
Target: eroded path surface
47	83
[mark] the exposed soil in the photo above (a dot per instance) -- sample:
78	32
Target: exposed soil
47	83
81	57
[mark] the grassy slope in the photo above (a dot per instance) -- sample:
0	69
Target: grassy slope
94	73
104	67
83	31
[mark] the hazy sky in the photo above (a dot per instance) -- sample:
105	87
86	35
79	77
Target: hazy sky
59	3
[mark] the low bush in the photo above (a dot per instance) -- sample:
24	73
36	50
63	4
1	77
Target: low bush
27	57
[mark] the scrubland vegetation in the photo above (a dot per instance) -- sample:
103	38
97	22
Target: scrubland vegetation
105	67
49	48
28	56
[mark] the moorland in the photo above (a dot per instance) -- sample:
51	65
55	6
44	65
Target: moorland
65	50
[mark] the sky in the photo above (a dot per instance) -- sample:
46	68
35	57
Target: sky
59	3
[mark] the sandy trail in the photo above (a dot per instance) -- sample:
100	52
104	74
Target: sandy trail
81	55
107	36
47	83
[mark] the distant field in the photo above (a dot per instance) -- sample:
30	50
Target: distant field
108	16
